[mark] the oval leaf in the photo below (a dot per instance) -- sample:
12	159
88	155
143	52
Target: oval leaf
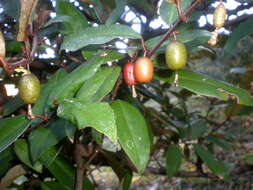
97	115
64	172
11	128
76	20
74	80
207	86
133	133
217	167
98	35
173	160
22	151
221	143
99	85
41	139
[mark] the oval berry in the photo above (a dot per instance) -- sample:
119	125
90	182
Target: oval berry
29	88
219	16
128	72
176	55
143	70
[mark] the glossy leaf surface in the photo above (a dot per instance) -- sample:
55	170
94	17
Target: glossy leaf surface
64	172
76	20
42	139
23	153
99	85
11	128
204	85
98	35
97	115
73	81
133	133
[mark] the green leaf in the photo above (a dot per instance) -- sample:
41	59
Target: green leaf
12	105
42	105
133	133
168	10
97	137
216	166
48	157
64	172
248	159
58	18
52	185
221	143
198	128
73	81
76	19
185	36
97	35
99	85
117	12
126	181
22	151
6	159
97	115
237	34
11	128
204	85
173	160
42	139
108	54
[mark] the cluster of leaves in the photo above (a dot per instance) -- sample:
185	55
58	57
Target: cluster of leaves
86	102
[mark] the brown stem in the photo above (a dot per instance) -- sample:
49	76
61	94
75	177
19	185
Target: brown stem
180	12
146	50
116	87
79	149
173	27
4	65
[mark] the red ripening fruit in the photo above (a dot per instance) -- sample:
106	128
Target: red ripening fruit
128	72
143	70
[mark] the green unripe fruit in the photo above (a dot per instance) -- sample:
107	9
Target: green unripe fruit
176	55
219	16
29	88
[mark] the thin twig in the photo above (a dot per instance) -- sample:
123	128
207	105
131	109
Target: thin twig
173	27
116	87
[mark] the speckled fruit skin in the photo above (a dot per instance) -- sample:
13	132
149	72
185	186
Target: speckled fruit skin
219	16
143	70
128	72
29	88
176	55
